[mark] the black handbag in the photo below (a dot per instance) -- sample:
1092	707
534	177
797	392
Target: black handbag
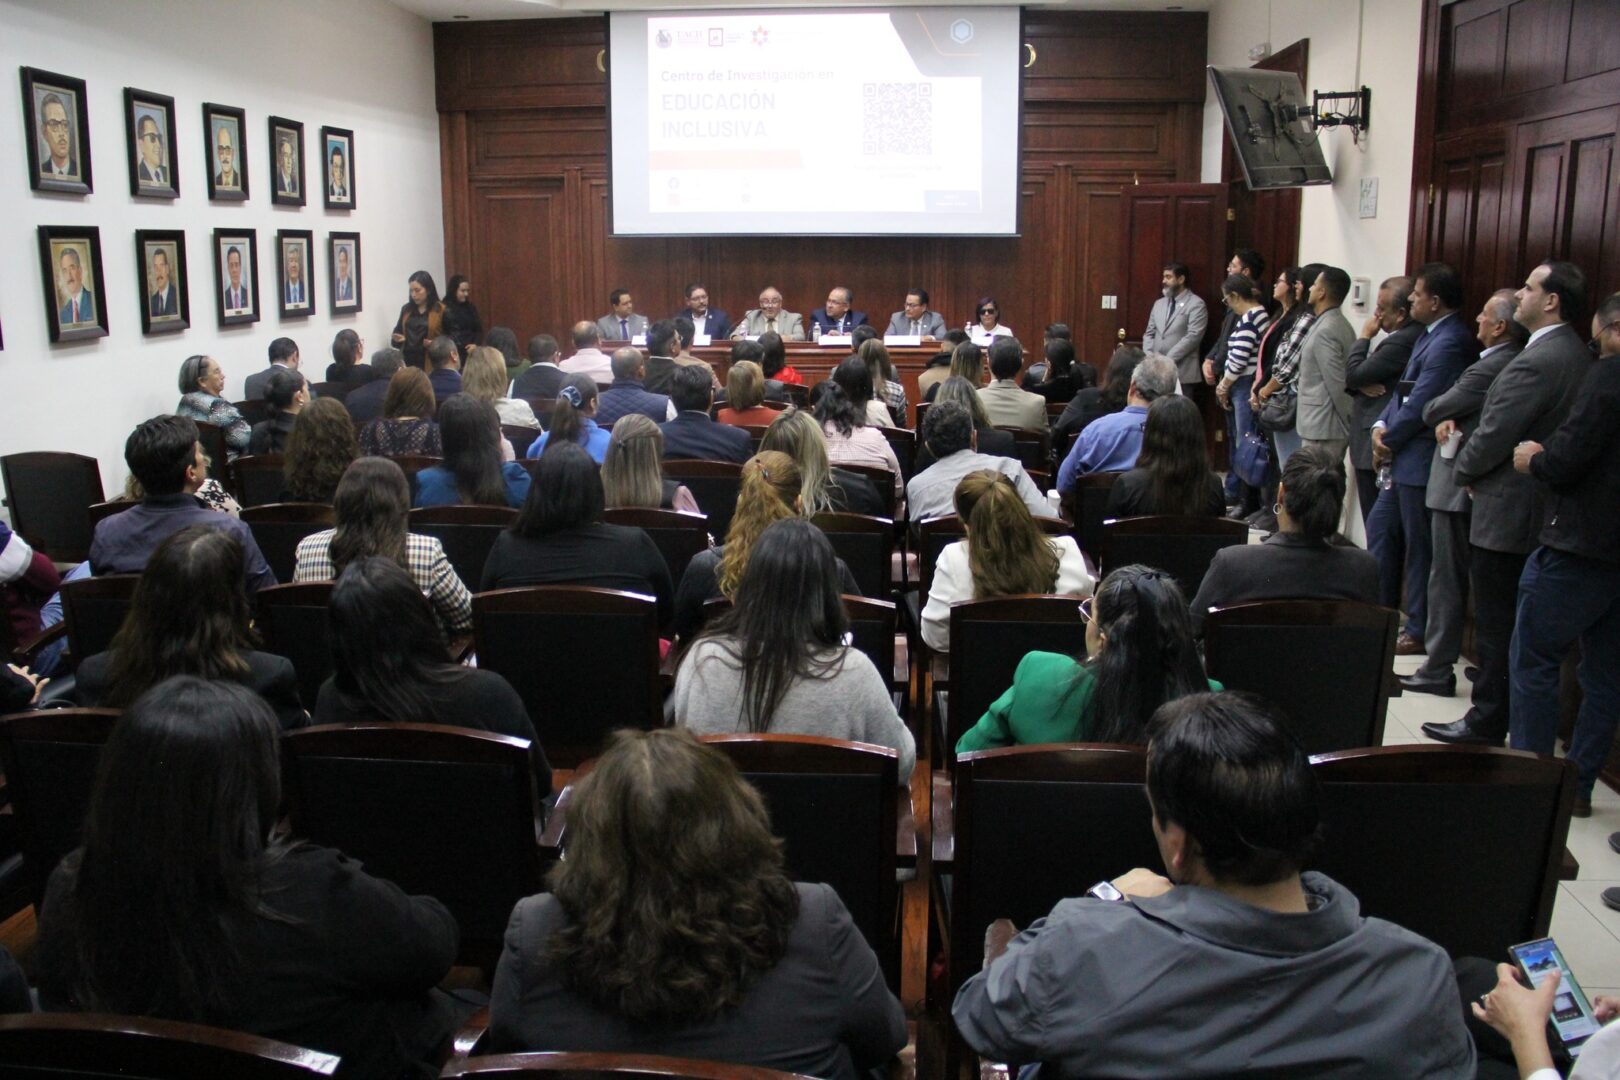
1280	410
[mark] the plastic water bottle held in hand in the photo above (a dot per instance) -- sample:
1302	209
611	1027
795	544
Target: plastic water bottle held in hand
1386	478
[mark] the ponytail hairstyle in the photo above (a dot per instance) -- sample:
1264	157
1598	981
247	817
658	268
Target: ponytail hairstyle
770	486
1008	555
1150	656
577	393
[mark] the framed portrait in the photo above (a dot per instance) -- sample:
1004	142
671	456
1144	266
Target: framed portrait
337	167
227	163
286	162
149	120
75	292
295	276
236	276
343	256
160	263
56	116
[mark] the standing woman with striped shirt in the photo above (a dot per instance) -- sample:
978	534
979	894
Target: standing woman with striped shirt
1236	384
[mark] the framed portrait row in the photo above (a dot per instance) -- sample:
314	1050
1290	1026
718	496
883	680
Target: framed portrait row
73	274
56	117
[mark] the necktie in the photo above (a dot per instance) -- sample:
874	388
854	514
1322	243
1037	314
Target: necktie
75	311
770	326
915	328
624	329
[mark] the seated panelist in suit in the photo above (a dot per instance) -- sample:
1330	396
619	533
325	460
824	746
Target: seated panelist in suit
707	321
837	317
917	319
769	318
692	434
622	323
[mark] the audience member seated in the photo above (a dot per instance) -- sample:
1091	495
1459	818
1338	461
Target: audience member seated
745	394
189	616
854	377
503	341
20	688
692	434
772	491
850	439
1141	653
1111	443
1004	402
1172	474
1005	554
633	470
1091	402
560	539
778	660
321	446
948	432
27	581
444	363
539	376
461	322
887	389
822	487
166	459
347	348
773	362
967	362
588	359
662	344
365	403
184	904
1239	963
473	472
1299	561
987	439
389	664
420	320
283	354
628	395
684	332
573	420
485	379
406	425
1058	378
937	370
286	393
671	928
202	382
371	506
1521	1015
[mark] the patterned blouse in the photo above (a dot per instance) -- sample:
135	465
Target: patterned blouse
1286	364
389	438
432	572
216	410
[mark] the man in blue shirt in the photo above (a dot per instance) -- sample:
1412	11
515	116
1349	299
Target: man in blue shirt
1111	442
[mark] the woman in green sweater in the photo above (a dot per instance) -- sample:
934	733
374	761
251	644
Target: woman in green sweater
1142	653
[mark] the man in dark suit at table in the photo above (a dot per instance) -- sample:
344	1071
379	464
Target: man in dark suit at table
1529	400
837	317
692	434
622	323
707	321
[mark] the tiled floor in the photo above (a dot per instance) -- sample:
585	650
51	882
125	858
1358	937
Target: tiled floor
1586	931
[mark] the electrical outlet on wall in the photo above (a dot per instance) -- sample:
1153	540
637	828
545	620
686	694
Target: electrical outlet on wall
1360	294
1369	196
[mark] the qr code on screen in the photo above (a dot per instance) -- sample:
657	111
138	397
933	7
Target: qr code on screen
898	118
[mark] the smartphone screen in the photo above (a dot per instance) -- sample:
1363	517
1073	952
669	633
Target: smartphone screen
1572	1015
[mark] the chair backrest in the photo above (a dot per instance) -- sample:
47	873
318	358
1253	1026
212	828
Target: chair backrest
50	1046
336	390
278	527
542	408
101	511
520	436
467	533
46	493
866	544
872	625
1034	448
990	637
411	464
50	759
680	537
934	534
292	622
607	1067
443	811
254	410
575	695
258	478
1091	501
881	479
903	441
1327	664
1181	546
1459	844
218	452
714	484
93	609
834	804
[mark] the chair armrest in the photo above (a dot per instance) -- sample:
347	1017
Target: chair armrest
943	823
461	648
906	832
26	651
467	1038
555	832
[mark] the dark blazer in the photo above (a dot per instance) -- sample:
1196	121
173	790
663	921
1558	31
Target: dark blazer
822	1010
446	383
1132	496
540	380
270	676
852	319
365	403
166	302
1366	366
1438	357
692	435
1530	399
597	555
660	374
254	385
1462	404
270	436
1083	408
352	375
718	323
1286	567
1581	464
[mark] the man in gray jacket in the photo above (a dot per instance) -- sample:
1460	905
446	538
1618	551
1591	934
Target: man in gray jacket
1324	407
1177	323
1237	964
1528	401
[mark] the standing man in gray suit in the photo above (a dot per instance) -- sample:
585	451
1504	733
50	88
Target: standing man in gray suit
1176	325
622	323
1323	417
1529	400
1457	411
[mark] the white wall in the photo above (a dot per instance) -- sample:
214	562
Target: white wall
360	64
1332	230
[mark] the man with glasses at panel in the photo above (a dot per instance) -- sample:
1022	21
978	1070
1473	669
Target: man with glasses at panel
838	317
769	318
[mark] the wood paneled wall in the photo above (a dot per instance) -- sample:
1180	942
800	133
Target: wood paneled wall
1519	102
1111	99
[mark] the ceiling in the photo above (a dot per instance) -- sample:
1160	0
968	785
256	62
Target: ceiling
446	10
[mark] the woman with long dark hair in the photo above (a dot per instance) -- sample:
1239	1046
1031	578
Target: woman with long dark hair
1172	474
461	319
840	408
190	616
1092	402
1141	654
389	663
1058	377
372	504
777	661
888	392
421	320
322	445
573	420
473	472
672	928
182	905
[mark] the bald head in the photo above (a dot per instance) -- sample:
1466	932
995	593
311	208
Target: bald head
628	363
586	335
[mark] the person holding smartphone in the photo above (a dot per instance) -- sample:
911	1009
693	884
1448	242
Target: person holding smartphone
1521	1013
